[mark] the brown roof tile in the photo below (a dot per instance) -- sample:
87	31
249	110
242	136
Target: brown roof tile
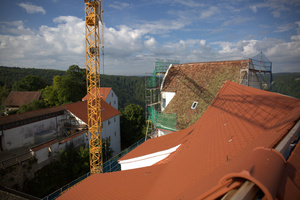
198	82
18	98
239	120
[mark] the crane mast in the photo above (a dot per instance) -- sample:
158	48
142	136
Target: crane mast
93	15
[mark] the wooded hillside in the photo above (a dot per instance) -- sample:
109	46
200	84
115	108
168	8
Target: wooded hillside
287	83
129	89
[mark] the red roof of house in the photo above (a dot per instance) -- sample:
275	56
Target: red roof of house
104	91
18	98
79	109
233	138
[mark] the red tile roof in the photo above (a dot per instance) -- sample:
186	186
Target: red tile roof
198	82
239	120
290	184
79	109
18	98
104	91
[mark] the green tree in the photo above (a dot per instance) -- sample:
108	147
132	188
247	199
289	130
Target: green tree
65	89
50	93
107	151
30	83
34	105
132	125
72	164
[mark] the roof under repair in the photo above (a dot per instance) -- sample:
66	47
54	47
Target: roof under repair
233	141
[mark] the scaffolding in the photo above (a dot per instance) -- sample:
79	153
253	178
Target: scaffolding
262	67
156	119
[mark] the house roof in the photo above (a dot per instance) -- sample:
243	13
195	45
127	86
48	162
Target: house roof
198	82
18	98
214	154
79	109
31	116
104	91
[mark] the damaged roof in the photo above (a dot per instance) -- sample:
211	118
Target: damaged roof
231	142
198	82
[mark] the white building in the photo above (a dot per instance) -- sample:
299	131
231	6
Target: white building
110	121
108	95
43	132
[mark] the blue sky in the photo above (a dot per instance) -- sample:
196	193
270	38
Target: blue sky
50	33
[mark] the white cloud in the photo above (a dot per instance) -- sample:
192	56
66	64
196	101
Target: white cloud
51	47
161	26
253	8
277	7
189	3
132	50
123	41
15	28
150	43
209	12
31	9
119	5
285	27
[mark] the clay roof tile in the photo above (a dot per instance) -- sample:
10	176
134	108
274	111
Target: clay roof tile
239	120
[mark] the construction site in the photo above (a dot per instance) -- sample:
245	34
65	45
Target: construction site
213	131
198	81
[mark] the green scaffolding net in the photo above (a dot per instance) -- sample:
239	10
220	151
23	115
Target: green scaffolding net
162	120
153	82
161	66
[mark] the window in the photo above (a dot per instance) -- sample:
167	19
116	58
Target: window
194	105
108	122
114	119
115	133
101	125
164	103
112	94
114	101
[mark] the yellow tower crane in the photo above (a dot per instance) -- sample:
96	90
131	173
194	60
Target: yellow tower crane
93	15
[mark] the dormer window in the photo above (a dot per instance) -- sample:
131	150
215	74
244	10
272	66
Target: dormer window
194	105
164	103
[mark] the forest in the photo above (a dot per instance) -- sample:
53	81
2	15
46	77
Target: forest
287	84
129	89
